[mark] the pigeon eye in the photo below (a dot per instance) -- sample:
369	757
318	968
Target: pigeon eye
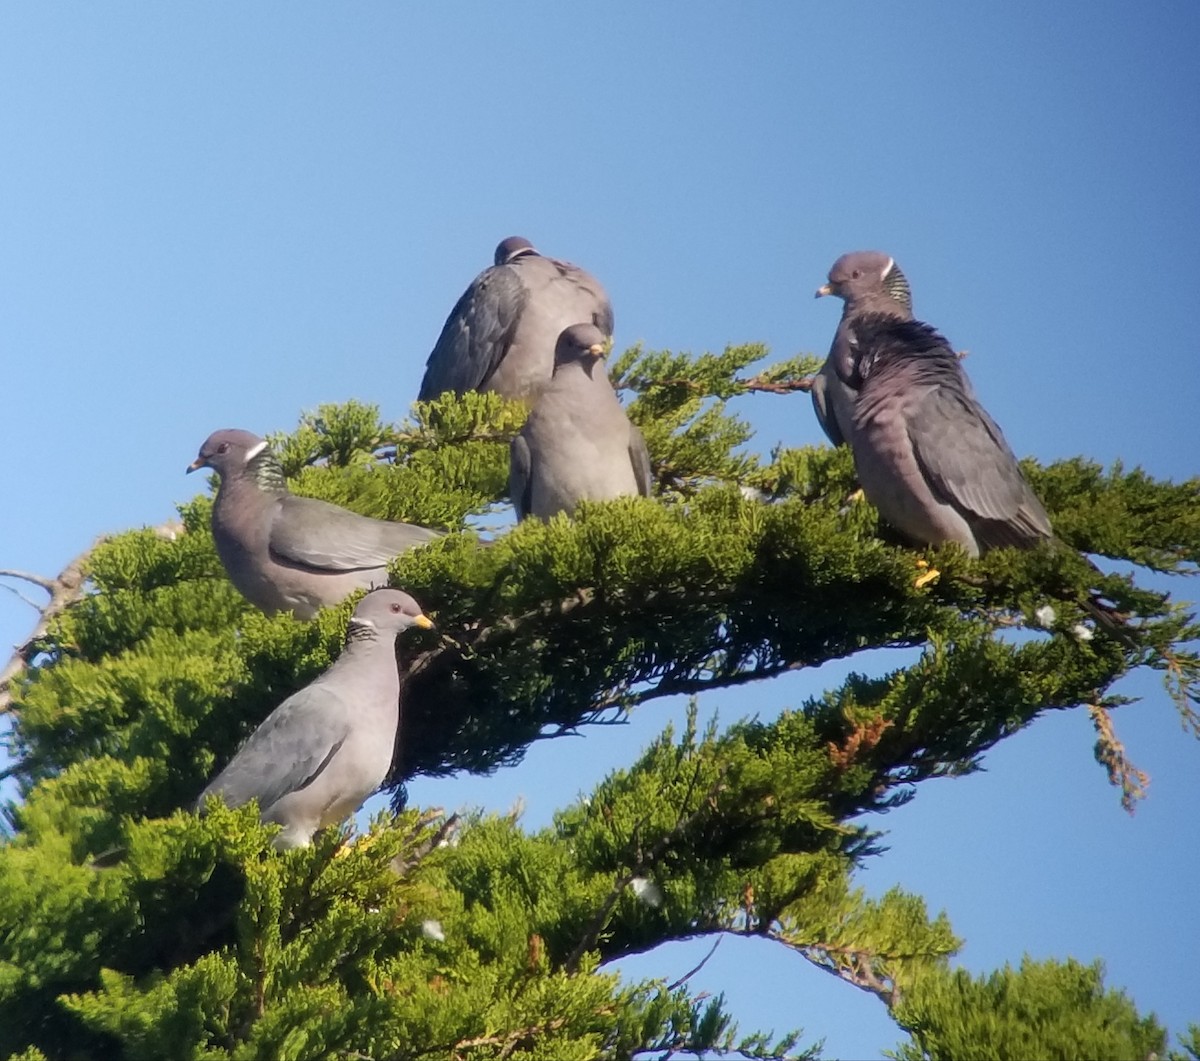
396	608
223	447
856	275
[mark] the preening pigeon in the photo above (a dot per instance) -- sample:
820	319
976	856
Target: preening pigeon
500	336
928	455
289	553
326	748
868	282
577	443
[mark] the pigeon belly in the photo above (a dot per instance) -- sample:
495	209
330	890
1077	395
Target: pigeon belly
893	480
580	470
356	771
305	591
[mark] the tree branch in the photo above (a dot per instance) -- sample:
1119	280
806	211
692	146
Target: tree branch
65	589
853	964
697	967
776	386
402	865
642	862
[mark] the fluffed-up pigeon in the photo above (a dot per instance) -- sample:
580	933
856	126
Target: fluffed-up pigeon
500	336
932	461
867	282
577	443
289	553
327	747
927	454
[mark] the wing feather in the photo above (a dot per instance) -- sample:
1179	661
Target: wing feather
287	752
477	334
308	532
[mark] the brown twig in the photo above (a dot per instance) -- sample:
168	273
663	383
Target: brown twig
401	866
507	1041
777	386
697	967
853	964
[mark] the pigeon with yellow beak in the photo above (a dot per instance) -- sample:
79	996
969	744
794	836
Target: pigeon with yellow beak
577	443
327	747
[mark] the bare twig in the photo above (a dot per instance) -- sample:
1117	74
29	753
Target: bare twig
697	967
401	866
19	595
507	1041
853	964
46	583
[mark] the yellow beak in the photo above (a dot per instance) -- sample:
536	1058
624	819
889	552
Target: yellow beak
824	289
424	622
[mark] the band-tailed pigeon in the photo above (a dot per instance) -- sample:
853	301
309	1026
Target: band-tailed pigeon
577	443
927	454
868	282
289	553
327	747
500	336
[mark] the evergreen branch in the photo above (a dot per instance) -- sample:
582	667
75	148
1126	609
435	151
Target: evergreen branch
510	1040
1181	682
65	589
424	439
762	382
507	1041
641	863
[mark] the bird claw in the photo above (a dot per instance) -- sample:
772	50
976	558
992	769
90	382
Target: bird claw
360	843
928	576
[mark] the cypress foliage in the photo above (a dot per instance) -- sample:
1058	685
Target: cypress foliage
476	938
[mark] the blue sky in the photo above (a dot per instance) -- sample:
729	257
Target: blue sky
219	216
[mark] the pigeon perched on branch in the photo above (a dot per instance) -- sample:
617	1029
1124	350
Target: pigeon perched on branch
501	334
326	748
289	553
577	443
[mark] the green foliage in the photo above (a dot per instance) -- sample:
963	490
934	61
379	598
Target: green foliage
131	927
1190	1044
1045	1010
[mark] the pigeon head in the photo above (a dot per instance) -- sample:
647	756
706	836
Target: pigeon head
582	344
229	451
386	611
513	247
866	276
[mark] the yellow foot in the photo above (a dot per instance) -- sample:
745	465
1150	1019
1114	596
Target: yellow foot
931	575
361	843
